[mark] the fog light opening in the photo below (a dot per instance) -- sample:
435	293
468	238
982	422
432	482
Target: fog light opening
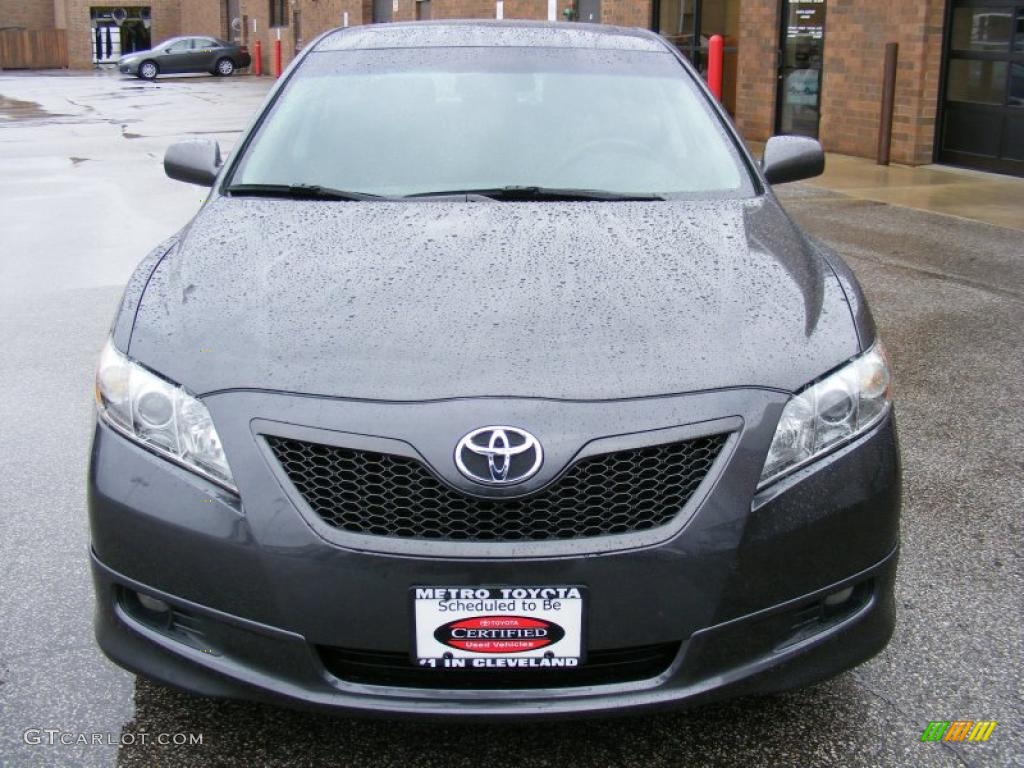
152	604
838	598
829	611
168	620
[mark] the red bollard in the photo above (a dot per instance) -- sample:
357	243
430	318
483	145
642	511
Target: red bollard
257	58
716	55
277	58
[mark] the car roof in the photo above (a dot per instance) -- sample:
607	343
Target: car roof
486	33
179	38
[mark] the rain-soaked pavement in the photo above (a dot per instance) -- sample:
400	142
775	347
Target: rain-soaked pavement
82	198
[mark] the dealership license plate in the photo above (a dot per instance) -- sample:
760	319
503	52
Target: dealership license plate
500	628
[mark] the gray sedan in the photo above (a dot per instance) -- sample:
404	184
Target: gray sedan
492	380
186	54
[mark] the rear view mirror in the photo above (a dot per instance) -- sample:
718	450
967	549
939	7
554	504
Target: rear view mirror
195	162
792	158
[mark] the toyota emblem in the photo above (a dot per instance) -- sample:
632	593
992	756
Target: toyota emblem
499	455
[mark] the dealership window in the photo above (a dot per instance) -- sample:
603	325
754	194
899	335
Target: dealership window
689	24
278	13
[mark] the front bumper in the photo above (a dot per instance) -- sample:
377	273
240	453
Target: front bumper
265	594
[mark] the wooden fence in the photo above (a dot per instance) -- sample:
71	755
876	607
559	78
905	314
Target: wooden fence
33	49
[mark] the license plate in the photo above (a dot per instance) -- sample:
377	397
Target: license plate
501	628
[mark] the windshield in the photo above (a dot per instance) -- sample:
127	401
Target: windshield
435	120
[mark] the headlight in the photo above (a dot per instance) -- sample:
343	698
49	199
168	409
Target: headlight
160	415
829	413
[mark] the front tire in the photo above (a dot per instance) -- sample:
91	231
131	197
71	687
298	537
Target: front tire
148	70
225	67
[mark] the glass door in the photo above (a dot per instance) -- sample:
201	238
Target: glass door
677	22
982	122
801	54
232	21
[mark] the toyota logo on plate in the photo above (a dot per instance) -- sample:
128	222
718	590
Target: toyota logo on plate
499	455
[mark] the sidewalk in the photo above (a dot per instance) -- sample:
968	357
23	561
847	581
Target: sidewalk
987	197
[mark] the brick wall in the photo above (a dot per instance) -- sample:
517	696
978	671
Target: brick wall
525	9
203	17
327	14
855	37
627	13
756	79
30	14
403	10
470	9
929	82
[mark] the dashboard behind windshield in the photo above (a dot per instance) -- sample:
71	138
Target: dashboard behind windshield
417	121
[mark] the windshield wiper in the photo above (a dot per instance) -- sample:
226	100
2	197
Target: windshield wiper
514	193
509	193
300	192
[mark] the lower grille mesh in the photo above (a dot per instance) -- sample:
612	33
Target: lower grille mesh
386	495
622	665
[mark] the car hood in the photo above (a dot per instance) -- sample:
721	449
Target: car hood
428	300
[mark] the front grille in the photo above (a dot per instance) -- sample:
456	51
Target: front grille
385	495
622	665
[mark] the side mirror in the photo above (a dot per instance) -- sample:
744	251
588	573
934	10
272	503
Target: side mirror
792	158
195	162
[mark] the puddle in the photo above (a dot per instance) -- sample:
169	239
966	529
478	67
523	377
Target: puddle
15	109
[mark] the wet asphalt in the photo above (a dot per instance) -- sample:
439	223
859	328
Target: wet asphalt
83	198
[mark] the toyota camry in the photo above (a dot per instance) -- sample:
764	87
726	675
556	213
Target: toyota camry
186	54
491	380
